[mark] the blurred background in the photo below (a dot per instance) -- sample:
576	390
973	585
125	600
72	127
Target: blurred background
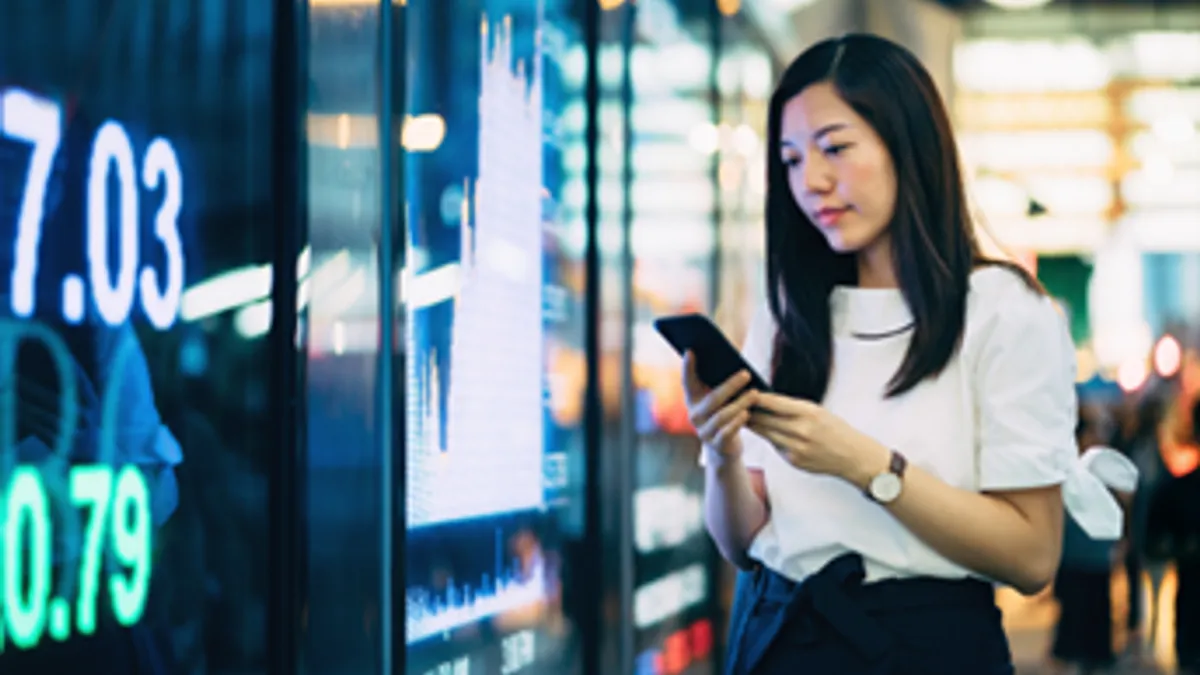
406	256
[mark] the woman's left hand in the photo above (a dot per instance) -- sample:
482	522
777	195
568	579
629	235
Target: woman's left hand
813	439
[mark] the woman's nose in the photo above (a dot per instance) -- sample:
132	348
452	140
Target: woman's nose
818	179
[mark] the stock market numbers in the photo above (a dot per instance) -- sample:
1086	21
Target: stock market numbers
78	532
37	122
115	554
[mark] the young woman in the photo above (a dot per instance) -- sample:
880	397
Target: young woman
919	438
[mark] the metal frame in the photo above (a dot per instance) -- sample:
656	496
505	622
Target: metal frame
286	503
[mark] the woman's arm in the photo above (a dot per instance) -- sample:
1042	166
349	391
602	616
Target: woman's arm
1014	537
735	506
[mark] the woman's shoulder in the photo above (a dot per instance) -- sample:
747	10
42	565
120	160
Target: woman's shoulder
1004	281
1006	303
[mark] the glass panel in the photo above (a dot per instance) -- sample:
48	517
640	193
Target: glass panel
745	80
673	203
612	569
493	336
340	279
134	207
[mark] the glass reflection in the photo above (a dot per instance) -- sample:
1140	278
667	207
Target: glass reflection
341	284
493	338
133	197
673	204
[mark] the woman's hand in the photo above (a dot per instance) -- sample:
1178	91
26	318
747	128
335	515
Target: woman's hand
813	439
717	414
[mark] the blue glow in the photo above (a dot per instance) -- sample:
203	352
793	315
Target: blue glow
36	121
430	612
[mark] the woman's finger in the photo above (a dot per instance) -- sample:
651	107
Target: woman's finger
728	432
692	386
718	398
782	442
784	425
785	405
739	407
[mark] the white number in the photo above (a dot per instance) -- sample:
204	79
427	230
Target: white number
38	122
459	666
517	652
114	302
161	162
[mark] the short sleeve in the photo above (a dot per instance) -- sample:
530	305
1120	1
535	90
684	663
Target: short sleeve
756	350
1025	388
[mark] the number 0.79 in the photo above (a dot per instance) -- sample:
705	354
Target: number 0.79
116	542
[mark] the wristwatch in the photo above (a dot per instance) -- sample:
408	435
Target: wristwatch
885	488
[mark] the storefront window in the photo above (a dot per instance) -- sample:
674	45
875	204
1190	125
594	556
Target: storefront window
134	434
673	205
493	338
339	296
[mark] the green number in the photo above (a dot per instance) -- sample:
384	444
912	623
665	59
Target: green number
131	529
25	613
91	488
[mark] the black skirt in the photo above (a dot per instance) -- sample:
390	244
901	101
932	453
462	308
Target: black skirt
834	624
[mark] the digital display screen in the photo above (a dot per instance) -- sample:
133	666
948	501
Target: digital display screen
34	121
493	341
111	534
133	415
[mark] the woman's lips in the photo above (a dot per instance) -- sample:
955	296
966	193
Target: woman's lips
830	217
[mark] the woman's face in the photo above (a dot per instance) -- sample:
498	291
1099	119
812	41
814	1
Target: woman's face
839	170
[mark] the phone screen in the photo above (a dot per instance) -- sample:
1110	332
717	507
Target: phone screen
716	358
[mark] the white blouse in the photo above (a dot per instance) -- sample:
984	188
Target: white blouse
1001	416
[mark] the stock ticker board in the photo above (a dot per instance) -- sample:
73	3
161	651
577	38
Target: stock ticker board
78	537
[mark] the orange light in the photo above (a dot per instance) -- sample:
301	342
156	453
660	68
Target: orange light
729	7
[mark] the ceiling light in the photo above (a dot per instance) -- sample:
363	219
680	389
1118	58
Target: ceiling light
790	5
1018	4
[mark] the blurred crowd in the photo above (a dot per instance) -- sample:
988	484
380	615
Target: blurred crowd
1158	427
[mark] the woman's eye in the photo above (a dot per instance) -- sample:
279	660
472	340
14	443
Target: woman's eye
835	150
790	162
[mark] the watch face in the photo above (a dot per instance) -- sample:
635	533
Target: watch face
885	487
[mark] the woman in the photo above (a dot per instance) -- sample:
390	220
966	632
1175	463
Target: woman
920	437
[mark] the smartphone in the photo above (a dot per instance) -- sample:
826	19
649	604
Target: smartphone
716	358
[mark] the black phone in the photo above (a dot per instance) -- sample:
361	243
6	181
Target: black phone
716	358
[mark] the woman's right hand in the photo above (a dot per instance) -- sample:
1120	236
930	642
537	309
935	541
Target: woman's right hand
718	414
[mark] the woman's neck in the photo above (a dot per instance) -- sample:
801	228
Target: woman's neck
875	265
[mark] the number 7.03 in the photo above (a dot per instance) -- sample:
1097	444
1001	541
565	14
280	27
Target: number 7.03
38	123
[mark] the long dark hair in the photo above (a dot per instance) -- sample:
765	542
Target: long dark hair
934	248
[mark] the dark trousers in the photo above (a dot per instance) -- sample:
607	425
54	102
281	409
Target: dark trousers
1133	576
1187	615
1083	634
833	624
